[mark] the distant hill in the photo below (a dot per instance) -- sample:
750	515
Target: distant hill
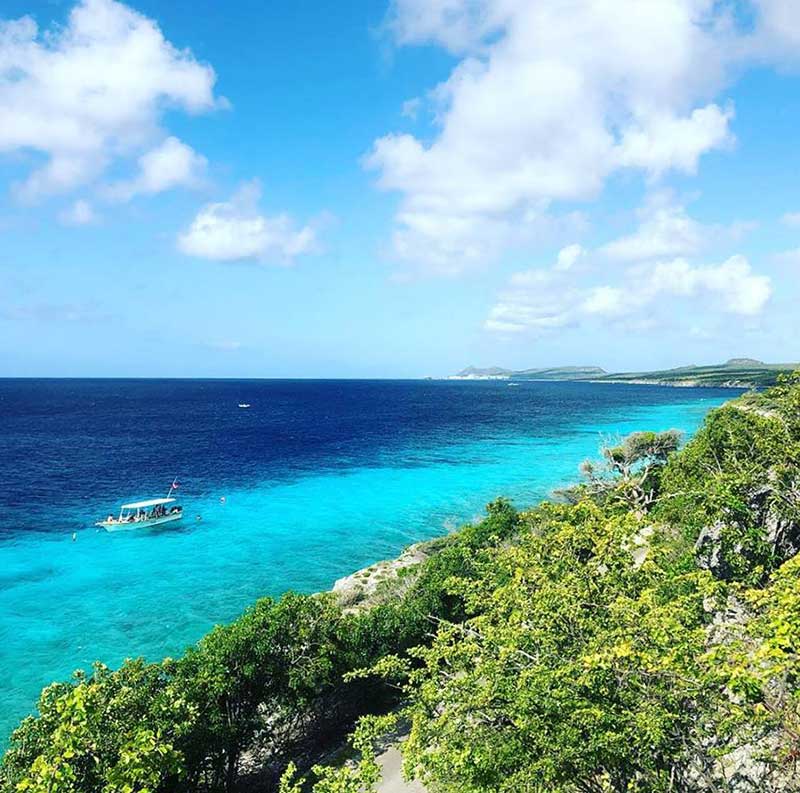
553	373
561	373
735	373
491	371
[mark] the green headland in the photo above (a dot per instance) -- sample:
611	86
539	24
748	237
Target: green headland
735	373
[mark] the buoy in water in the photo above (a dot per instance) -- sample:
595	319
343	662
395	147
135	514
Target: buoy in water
74	536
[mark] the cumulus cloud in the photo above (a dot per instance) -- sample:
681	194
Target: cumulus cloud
92	93
170	164
78	214
663	141
237	230
665	230
548	100
540	300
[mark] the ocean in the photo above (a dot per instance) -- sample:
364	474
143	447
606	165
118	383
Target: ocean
319	478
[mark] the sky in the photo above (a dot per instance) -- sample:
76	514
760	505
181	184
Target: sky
396	188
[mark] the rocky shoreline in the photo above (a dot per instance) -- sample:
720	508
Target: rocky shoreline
688	383
383	580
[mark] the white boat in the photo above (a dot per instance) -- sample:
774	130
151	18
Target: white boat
244	404
141	514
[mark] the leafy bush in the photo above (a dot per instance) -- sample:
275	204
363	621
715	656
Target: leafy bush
735	488
579	669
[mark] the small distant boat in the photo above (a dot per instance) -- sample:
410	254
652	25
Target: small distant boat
142	514
244	404
510	384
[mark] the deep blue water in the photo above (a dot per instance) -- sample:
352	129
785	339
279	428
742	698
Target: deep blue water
319	478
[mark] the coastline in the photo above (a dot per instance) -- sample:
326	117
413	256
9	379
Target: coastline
734	385
685	383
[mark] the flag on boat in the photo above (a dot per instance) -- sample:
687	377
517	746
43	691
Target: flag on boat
175	484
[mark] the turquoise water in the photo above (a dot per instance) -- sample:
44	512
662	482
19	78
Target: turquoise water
64	603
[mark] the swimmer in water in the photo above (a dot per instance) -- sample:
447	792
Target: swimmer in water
222	499
74	536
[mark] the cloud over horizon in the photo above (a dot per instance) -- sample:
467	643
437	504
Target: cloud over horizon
237	230
643	296
537	116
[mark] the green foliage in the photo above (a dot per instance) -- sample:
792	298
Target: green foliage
432	596
762	663
739	477
629	473
578	670
117	732
275	659
354	777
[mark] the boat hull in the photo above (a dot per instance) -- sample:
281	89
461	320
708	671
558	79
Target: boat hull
139	524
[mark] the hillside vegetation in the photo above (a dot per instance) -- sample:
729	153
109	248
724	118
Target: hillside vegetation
743	372
640	636
735	373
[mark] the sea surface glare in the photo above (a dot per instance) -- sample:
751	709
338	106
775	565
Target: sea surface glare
319	478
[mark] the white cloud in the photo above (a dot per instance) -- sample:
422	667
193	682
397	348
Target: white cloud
548	100
455	24
740	290
237	230
86	95
777	33
170	164
567	257
540	300
665	230
664	141
78	214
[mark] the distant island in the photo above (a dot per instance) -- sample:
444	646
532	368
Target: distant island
735	373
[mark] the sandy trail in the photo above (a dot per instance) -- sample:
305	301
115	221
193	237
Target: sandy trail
392	782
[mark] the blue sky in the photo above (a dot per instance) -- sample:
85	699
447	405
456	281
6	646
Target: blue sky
396	188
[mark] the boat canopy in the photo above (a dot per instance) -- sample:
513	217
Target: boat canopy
153	502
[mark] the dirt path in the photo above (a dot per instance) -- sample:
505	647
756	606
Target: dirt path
392	782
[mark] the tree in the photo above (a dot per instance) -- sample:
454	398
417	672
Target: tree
628	472
117	732
256	677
